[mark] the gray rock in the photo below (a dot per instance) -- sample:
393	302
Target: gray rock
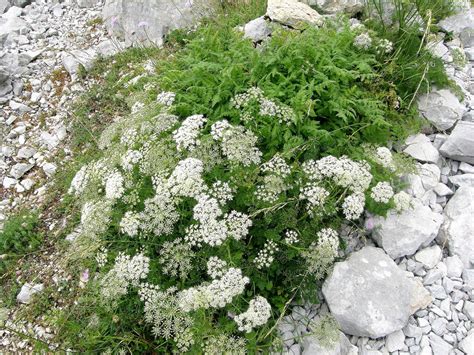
5	87
350	7
437	291
466	168
370	296
420	148
257	30
430	175
432	276
395	341
21	3
439	326
454	265
458	22
439	49
27	291
9	182
439	345
467	344
468	310
462	180
458	227
460	144
87	3
11	23
26	152
415	185
403	234
295	349
107	48
442	108
311	345
145	21
49	169
4	5
292	13
467	37
20	169
73	60
429	256
412	331
442	190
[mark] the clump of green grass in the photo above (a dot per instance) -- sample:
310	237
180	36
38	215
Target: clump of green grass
411	68
20	234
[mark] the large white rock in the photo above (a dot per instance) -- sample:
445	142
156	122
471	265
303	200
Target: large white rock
369	295
4	5
395	341
462	180
403	234
458	22
311	346
9	23
350	7
87	3
145	21
460	143
458	227
442	108
420	148
429	257
257	30
293	13
74	59
27	291
467	344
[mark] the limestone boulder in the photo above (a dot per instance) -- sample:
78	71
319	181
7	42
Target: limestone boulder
460	143
403	234
458	228
149	21
350	7
442	108
293	13
370	296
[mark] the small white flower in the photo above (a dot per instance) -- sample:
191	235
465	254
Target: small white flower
291	237
353	206
382	192
402	201
114	188
384	157
363	41
258	313
166	98
265	256
186	135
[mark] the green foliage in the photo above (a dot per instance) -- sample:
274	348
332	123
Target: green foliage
411	68
331	85
20	236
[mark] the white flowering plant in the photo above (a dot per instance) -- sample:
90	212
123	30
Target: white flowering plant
218	200
201	222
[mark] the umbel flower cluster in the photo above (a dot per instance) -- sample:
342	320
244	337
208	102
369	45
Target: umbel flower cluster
219	222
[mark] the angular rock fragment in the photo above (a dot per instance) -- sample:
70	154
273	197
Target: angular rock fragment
460	143
370	296
458	228
403	234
